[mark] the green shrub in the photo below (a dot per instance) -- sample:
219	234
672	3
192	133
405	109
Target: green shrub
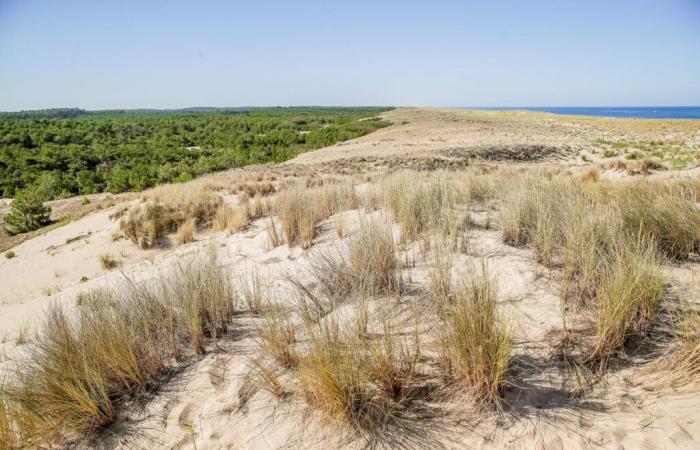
28	212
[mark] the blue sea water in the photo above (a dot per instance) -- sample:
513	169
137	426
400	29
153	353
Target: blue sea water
641	112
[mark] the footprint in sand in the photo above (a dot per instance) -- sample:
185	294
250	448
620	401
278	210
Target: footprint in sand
217	373
186	417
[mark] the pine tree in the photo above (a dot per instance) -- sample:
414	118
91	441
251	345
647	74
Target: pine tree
28	212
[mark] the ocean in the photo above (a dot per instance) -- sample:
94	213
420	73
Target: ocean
640	112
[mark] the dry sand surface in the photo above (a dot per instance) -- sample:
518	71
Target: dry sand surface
426	132
201	406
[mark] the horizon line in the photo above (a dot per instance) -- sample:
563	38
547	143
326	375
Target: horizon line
146	108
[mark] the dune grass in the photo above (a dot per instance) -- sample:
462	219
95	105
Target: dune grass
628	295
185	232
610	240
372	259
420	204
541	211
251	290
230	219
440	275
145	224
475	342
82	367
166	208
366	266
298	216
11	437
684	362
299	209
665	212
356	383
277	337
203	294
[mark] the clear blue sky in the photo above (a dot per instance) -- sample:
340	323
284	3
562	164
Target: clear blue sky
127	54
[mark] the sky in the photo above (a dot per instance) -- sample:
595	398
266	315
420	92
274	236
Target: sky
168	54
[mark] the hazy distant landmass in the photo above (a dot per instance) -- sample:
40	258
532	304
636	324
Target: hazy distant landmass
72	113
640	112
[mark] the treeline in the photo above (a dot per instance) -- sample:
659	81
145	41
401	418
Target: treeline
118	151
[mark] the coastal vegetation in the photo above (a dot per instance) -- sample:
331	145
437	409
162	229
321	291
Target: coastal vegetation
63	153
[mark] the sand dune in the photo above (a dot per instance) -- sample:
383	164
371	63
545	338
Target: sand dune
202	406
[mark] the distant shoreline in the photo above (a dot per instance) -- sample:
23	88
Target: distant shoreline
637	112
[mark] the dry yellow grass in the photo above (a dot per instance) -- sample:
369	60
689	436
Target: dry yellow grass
628	295
185	232
298	215
372	260
420	205
609	239
440	276
299	209
683	365
81	368
164	209
230	219
367	266
475	342
355	383
663	211
541	212
277	338
274	234
251	290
